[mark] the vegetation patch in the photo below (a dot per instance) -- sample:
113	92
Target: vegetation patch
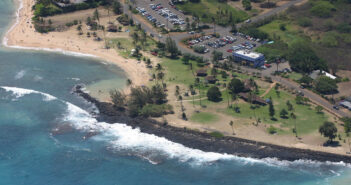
213	11
216	134
204	117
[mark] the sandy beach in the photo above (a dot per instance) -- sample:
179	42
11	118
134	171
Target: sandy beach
23	35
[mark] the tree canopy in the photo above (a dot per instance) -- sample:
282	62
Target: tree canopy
328	129
236	86
213	94
326	85
303	59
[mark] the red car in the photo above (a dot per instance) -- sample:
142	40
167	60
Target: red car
154	53
230	51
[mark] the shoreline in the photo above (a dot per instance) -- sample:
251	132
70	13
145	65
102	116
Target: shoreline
14	39
203	141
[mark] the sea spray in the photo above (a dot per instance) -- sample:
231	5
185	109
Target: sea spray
122	137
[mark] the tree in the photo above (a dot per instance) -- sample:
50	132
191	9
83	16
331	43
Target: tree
290	106
306	80
117	8
247	4
271	108
326	85
293	116
171	47
216	56
302	58
347	128
118	99
284	114
328	129
198	84
96	15
231	123
213	94
236	86
319	109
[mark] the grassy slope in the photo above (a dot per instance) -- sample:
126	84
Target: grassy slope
329	44
209	8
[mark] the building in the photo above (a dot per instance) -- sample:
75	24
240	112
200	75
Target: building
316	73
255	99
112	28
249	58
66	3
201	72
210	79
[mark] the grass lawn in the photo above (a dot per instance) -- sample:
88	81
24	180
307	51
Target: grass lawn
208	8
179	73
126	44
204	117
307	119
295	76
290	35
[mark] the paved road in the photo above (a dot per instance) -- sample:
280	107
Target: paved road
315	98
178	37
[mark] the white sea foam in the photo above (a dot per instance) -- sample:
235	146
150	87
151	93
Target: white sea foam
20	92
5	39
37	78
122	137
20	74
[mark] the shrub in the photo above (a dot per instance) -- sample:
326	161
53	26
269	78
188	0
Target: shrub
344	28
216	134
330	39
304	22
326	85
322	9
272	130
154	110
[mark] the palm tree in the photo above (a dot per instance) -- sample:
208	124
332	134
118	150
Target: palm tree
177	91
214	25
96	15
227	95
231	123
197	83
161	76
293	116
191	89
250	99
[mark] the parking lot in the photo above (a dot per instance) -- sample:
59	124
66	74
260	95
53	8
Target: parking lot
227	44
162	13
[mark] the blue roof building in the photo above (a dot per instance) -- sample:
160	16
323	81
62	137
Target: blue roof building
249	58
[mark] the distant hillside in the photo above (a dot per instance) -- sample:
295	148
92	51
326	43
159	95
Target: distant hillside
324	25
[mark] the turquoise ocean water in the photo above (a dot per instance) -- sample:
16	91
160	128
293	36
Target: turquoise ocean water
48	137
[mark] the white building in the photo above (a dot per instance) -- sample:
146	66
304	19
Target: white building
315	74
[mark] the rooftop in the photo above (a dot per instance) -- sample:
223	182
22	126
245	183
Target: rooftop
250	54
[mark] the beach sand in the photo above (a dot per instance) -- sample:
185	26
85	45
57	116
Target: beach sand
23	35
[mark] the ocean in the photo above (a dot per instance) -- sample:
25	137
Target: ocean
50	136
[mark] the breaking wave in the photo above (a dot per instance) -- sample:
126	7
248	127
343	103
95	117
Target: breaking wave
123	138
20	92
